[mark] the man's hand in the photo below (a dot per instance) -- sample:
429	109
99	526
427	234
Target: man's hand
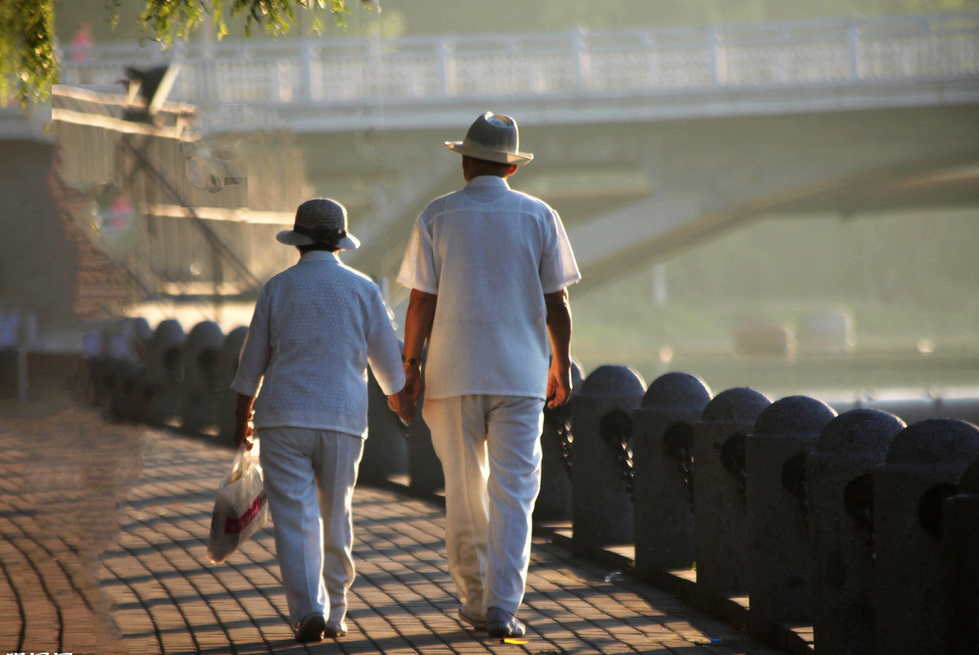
558	385
401	405
559	330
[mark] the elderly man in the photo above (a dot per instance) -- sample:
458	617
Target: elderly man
488	269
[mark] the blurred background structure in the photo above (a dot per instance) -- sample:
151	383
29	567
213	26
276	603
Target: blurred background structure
778	196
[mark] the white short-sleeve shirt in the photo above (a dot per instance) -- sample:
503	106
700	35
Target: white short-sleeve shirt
316	328
490	254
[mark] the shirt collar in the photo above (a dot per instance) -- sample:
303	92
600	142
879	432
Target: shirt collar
483	181
320	256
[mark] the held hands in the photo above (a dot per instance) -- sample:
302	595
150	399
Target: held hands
405	402
402	405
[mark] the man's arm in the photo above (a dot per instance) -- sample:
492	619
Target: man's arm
418	327
559	331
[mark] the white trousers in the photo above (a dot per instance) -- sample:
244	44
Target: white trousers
490	451
309	482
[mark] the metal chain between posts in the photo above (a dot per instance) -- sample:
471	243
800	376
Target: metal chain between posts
559	420
733	461
858	500
794	481
615	429
678	444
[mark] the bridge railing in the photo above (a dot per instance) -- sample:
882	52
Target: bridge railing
343	71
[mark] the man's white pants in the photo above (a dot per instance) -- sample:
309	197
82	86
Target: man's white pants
490	451
309	482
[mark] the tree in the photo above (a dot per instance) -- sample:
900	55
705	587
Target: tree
28	62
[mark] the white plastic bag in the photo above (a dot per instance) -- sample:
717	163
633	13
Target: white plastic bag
240	508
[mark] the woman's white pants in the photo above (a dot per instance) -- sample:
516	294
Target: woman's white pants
309	482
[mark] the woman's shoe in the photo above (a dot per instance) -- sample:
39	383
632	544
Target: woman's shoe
311	629
335	629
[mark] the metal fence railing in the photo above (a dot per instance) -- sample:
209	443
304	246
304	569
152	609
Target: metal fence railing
345	71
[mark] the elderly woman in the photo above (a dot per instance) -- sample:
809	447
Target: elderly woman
316	327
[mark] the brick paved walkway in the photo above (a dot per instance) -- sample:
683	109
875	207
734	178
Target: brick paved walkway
103	546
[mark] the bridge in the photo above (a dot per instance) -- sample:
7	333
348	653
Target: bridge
646	140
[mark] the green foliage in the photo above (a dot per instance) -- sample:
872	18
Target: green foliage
166	20
27	61
28	65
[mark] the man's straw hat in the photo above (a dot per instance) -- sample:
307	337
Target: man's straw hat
492	137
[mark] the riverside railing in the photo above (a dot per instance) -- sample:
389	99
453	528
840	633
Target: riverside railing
579	63
802	521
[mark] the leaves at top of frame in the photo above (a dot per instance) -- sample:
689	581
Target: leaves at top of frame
28	65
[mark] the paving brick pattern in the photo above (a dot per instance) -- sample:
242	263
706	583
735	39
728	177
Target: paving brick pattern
103	551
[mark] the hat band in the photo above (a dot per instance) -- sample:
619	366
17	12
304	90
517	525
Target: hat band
323	234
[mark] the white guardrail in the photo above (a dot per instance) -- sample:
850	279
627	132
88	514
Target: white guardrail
344	71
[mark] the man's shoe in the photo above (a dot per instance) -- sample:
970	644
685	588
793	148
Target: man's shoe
475	620
335	629
501	624
311	629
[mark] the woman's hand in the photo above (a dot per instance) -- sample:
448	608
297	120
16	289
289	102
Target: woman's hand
401	405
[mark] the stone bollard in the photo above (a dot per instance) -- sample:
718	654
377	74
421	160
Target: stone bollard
839	488
778	536
127	394
601	499
960	552
199	393
9	345
227	399
554	500
720	504
924	465
386	449
662	454
164	371
113	371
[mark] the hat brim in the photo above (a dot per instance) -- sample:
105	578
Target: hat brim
489	155
293	238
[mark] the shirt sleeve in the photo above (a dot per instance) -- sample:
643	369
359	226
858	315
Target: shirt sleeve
256	350
558	268
418	266
383	349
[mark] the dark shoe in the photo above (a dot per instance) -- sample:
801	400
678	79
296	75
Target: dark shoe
475	620
311	629
501	624
335	629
